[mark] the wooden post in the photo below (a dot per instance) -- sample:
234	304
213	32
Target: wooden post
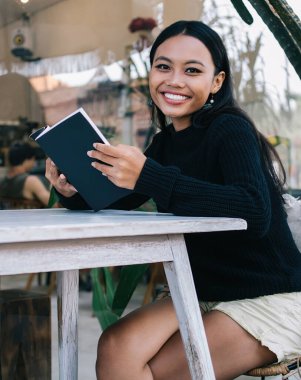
185	300
67	301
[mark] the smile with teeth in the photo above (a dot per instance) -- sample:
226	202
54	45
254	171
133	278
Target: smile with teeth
175	96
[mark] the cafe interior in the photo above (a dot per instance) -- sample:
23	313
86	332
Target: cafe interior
59	55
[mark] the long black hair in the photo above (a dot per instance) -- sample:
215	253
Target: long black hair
224	101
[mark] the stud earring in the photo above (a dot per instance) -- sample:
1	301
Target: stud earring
209	105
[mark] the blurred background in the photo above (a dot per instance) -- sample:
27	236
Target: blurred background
58	55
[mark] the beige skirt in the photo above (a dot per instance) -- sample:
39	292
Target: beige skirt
274	320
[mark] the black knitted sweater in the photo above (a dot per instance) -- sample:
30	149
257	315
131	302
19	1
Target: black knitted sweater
218	171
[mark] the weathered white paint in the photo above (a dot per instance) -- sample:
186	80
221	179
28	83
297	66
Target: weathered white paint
67	310
60	224
65	241
33	257
185	300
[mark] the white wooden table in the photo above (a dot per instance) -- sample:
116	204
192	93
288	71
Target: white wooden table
66	241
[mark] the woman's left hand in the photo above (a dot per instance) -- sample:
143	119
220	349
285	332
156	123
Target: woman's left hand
124	163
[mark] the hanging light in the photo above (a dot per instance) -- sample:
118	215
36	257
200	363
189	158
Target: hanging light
24	1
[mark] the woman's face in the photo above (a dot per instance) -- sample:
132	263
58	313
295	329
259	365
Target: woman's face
182	77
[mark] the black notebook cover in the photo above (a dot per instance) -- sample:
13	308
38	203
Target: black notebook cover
67	143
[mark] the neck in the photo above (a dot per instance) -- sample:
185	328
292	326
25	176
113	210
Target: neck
16	170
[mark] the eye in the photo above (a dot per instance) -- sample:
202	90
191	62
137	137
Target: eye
192	70
162	67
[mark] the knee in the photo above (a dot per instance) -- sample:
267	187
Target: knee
107	348
112	353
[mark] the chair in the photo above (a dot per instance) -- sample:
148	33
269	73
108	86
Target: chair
286	368
25	334
157	276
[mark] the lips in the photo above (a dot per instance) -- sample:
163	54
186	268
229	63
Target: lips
175	97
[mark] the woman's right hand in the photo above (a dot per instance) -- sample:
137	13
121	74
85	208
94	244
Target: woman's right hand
58	181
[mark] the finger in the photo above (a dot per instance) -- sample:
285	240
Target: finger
62	179
47	165
68	187
72	188
63	186
101	157
104	169
53	170
109	150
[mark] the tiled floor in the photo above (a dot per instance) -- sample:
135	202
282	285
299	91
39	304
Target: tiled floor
89	329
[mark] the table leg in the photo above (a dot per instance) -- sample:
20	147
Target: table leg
67	299
180	281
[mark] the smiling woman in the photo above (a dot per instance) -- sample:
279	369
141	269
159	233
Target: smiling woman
208	159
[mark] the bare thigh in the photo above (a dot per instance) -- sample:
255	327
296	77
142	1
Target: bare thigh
125	348
146	344
233	351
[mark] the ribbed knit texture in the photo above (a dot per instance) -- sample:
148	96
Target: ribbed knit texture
217	171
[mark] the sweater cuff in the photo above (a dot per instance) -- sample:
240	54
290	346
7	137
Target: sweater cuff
75	202
157	182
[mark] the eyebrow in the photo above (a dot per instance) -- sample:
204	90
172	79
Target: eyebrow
163	58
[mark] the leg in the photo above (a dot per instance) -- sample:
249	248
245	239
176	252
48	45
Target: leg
67	299
233	351
146	345
125	349
156	275
185	300
29	281
52	283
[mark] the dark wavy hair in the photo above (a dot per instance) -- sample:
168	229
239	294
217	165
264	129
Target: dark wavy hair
19	152
224	101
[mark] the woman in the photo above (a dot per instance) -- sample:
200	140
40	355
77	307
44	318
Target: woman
207	160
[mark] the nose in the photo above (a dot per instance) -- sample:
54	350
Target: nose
175	79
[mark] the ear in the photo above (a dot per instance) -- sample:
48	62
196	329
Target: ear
218	81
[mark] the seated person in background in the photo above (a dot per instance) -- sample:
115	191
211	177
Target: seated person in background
18	182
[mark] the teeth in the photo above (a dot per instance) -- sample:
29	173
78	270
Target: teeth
175	97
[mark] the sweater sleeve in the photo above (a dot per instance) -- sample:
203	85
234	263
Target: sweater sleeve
243	194
76	202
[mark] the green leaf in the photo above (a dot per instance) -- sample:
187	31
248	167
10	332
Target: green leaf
100	306
53	198
99	300
110	285
130	276
106	318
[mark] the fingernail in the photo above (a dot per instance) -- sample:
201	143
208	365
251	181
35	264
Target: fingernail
89	153
95	145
